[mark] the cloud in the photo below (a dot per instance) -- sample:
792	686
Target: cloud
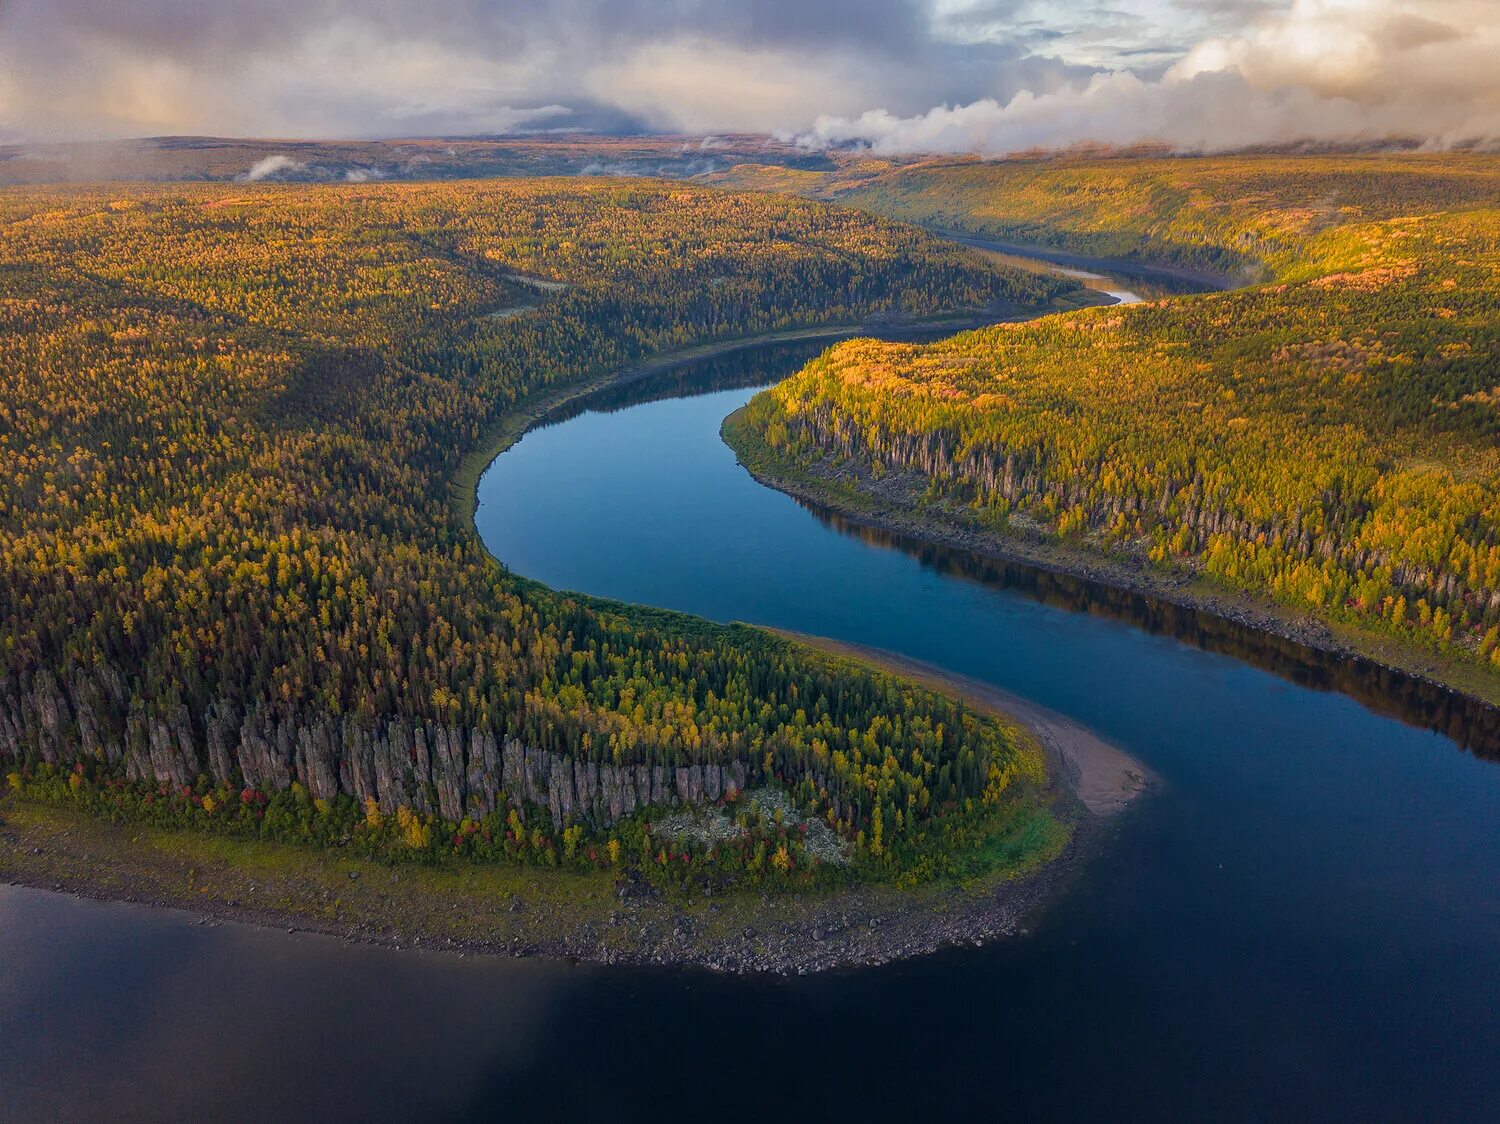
1322	70
74	69
281	168
1003	74
276	168
306	68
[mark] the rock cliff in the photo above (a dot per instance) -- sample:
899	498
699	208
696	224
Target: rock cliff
431	769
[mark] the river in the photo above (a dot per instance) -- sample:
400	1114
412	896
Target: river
1300	919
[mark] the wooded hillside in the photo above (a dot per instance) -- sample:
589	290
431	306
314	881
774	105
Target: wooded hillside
229	419
1330	438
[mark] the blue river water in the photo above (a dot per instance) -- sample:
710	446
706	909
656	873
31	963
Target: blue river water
1304	913
1300	920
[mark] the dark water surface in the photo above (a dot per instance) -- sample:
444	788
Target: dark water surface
1300	920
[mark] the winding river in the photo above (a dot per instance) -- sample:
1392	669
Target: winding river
1301	918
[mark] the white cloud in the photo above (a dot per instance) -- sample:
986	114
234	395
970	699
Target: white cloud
1006	74
275	167
1322	70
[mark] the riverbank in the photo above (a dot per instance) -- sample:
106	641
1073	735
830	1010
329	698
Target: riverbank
543	403
523	911
1201	279
894	505
506	910
1103	777
512	910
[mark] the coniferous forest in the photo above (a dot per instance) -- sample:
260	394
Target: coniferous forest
1327	435
236	593
526	526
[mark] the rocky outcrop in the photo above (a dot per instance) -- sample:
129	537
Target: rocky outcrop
448	770
172	756
316	763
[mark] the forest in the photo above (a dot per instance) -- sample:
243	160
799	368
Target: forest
1247	215
1327	436
235	595
167	158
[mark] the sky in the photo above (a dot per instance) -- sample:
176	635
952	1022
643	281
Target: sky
989	76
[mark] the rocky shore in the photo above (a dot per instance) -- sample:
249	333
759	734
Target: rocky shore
509	910
514	911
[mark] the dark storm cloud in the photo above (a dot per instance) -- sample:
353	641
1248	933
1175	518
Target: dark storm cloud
891	72
201	29
892	26
80	66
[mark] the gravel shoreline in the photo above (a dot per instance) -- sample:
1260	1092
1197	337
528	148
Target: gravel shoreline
57	850
54	849
517	911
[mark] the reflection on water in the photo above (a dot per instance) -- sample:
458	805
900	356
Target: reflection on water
122	1012
1140	288
1474	725
1300	921
736	370
1149	280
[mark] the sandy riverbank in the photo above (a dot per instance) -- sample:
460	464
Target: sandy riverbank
1103	777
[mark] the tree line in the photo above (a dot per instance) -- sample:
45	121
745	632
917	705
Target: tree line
1330	438
229	418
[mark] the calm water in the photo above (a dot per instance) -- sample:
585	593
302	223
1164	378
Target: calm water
1301	920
